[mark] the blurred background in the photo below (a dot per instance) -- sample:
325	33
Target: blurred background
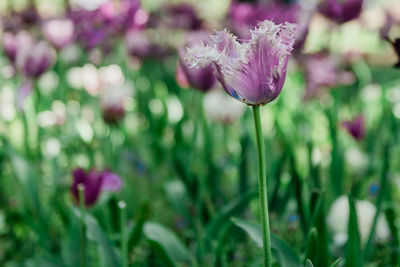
98	92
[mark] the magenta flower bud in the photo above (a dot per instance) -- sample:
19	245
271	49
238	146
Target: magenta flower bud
202	78
94	183
341	11
355	127
35	59
252	71
60	32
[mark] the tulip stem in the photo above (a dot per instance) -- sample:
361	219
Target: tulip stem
124	241
82	247
262	186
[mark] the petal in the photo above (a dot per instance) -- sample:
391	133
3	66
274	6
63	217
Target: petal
93	184
111	182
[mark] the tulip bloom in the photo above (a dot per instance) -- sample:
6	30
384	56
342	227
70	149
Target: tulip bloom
252	71
199	78
355	127
60	32
244	16
112	102
322	71
341	11
94	183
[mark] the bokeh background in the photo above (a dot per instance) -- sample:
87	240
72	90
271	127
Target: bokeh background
97	92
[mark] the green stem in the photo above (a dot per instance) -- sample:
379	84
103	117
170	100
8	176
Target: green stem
262	186
124	241
82	247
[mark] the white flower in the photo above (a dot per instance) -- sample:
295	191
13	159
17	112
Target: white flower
218	106
338	219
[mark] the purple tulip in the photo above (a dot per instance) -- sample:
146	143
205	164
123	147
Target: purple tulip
252	71
94	27
199	78
94	183
34	59
140	45
60	32
355	127
322	72
12	43
182	16
245	16
341	11
19	20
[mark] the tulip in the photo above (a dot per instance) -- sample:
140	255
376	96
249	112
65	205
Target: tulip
182	16
355	127
202	78
34	59
341	11
321	72
112	102
60	32
253	71
94	183
244	16
12	43
139	44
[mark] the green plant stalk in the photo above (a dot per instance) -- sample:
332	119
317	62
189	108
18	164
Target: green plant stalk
381	196
124	240
82	240
262	186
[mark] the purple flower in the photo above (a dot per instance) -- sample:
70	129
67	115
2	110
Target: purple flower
245	16
182	16
94	27
94	183
341	11
322	71
19	20
200	78
140	44
253	71
12	43
60	32
34	59
355	127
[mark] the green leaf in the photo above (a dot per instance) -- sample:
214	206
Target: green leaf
336	263
137	229
166	244
284	254
107	252
308	263
312	245
321	256
233	208
353	251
